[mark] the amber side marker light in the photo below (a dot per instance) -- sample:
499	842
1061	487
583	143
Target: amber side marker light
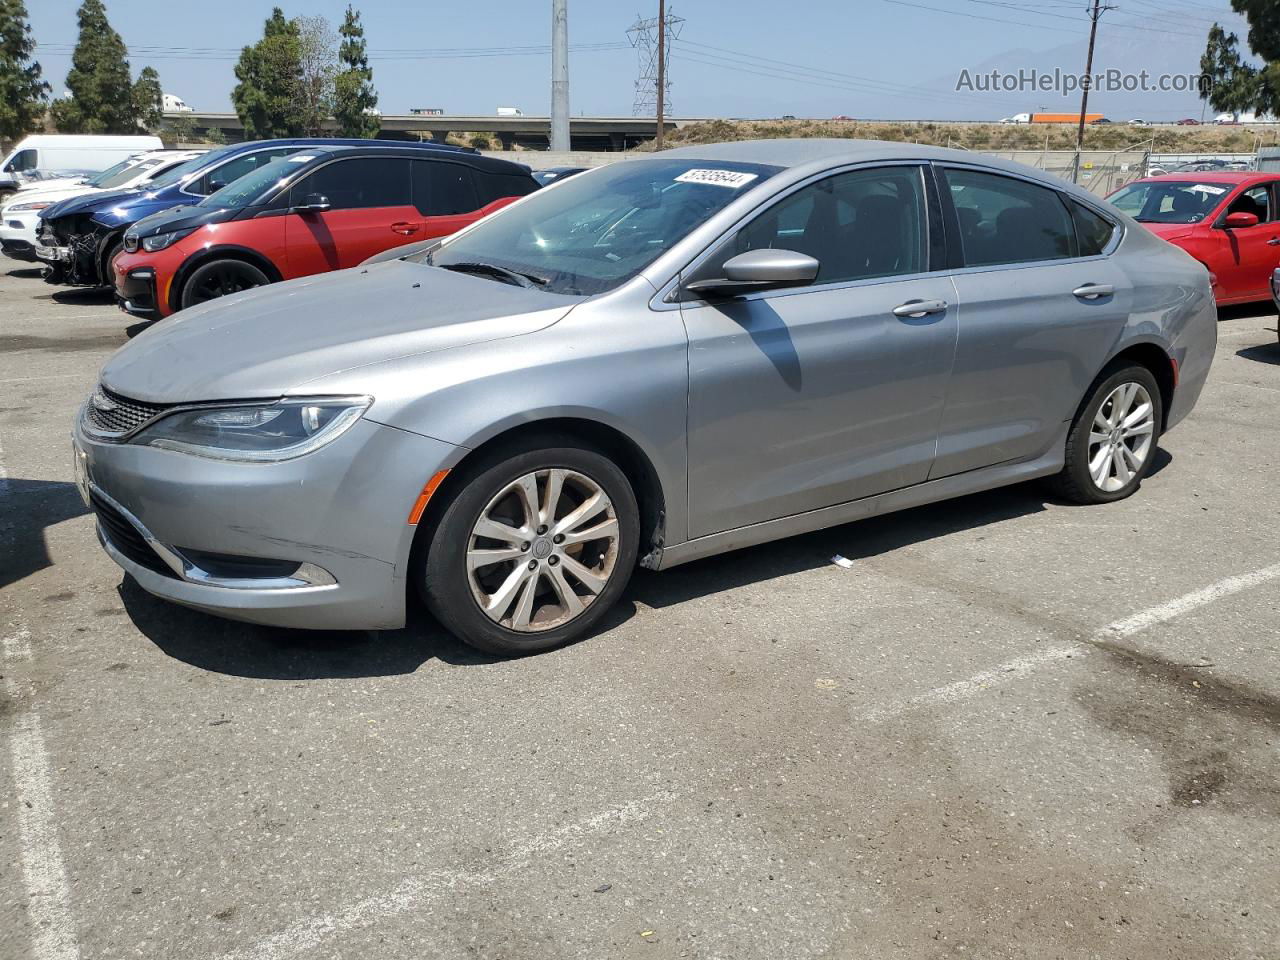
425	497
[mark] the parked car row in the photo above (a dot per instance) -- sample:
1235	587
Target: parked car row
255	213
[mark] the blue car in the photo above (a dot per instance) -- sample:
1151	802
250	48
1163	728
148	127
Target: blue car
79	237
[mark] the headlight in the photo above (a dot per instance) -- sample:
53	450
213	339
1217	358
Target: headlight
257	433
30	205
161	240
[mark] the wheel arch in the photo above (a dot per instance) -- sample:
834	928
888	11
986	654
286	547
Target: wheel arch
225	252
1156	358
630	457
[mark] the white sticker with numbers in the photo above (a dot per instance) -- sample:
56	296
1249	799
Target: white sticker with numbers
732	179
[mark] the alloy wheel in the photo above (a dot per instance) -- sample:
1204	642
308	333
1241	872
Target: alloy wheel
542	550
1122	437
223	282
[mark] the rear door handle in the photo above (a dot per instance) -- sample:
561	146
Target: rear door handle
404	227
920	308
1093	291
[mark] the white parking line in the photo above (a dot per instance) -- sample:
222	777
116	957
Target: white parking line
420	891
53	934
1020	666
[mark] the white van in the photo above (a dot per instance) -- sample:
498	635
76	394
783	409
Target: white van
42	153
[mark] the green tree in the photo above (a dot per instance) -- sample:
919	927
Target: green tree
355	102
22	89
180	129
268	98
1230	82
148	99
100	83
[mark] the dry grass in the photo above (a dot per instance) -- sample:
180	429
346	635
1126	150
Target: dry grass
992	136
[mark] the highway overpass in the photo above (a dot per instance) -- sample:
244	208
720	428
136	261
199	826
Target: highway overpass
585	133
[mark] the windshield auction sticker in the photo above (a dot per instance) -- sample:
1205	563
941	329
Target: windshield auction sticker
720	178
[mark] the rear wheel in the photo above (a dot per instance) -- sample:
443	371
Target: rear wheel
221	278
1112	442
532	549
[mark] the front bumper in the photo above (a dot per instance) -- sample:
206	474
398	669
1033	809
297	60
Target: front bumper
18	235
19	250
340	513
135	291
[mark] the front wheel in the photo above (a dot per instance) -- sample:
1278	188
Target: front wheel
532	549
1112	442
221	278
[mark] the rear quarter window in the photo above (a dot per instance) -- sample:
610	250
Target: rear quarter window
1093	231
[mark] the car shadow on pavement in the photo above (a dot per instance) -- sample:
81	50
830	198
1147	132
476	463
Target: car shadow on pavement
36	506
1262	353
270	653
80	296
25	273
1243	311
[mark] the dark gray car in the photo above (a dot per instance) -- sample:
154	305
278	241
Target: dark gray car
653	362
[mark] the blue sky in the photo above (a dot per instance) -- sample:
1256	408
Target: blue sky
886	59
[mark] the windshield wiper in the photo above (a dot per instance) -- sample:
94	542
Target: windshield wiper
527	280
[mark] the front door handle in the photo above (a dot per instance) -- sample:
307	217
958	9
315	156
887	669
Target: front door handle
1093	291
404	228
1274	242
919	308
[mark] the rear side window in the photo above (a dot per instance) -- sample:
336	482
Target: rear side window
233	170
359	183
441	189
1005	220
1093	232
496	186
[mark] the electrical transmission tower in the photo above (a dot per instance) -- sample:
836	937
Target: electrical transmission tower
653	55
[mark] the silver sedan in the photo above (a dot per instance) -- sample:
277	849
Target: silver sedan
656	361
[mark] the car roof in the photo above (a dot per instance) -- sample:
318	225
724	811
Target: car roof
1209	176
391	148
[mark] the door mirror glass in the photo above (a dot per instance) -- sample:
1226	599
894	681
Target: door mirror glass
311	203
764	269
1239	220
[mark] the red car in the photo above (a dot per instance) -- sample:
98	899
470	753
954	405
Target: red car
322	208
1230	222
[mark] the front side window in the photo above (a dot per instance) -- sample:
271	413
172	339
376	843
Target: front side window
183	170
1005	220
858	225
356	184
22	161
258	185
1169	201
1255	200
597	230
231	171
442	189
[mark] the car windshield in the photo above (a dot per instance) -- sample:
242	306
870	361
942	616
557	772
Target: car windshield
111	177
257	185
184	170
597	230
1170	201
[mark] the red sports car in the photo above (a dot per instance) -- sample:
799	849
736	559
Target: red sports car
1230	222
322	208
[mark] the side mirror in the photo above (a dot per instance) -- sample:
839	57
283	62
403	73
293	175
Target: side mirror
759	270
311	203
216	185
1236	221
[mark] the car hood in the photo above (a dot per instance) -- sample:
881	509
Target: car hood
1172	231
183	218
51	195
265	342
91	202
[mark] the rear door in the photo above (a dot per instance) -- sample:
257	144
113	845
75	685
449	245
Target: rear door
370	210
445	197
1041	303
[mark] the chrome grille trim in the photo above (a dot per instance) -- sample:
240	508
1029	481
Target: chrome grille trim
110	416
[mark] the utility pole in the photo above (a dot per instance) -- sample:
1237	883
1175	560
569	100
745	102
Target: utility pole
1094	15
560	75
662	71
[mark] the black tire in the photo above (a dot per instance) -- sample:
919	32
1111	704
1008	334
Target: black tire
1075	482
444	579
108	275
220	278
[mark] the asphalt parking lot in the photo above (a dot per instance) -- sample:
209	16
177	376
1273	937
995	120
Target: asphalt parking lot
1012	728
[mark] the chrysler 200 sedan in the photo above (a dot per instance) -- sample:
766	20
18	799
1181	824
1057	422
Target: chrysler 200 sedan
656	361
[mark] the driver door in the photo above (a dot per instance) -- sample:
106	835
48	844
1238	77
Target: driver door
1249	254
806	397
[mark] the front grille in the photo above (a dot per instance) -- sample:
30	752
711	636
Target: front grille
124	536
110	415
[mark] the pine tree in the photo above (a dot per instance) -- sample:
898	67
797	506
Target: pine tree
268	98
1230	83
22	90
148	99
354	99
100	83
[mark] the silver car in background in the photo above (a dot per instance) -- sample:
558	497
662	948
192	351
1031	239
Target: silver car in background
656	361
